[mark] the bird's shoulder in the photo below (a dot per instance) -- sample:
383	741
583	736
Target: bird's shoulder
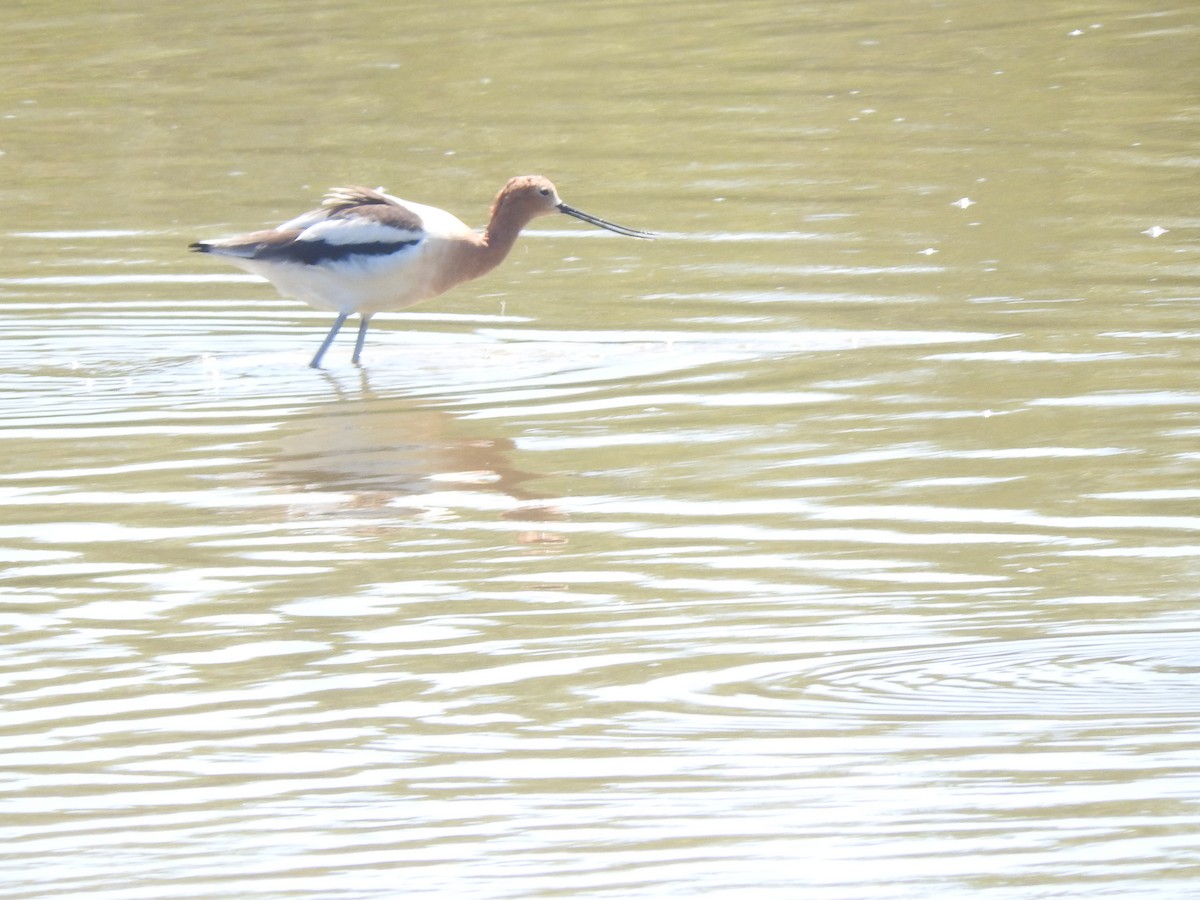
351	207
340	199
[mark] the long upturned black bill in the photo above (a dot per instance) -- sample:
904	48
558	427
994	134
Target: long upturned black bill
611	226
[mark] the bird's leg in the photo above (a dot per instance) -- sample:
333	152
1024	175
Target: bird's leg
337	326
364	321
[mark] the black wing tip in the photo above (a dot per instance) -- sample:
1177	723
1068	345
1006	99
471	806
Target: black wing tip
199	247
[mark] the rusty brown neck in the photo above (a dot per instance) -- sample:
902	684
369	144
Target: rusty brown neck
498	239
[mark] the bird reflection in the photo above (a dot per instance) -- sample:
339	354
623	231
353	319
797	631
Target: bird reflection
396	452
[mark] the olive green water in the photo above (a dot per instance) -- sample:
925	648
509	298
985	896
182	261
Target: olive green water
843	543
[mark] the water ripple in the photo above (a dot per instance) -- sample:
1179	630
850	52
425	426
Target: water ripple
1107	678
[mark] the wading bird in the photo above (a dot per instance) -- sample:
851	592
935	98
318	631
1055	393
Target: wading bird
366	251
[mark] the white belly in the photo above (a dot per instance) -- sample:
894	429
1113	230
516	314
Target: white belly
366	284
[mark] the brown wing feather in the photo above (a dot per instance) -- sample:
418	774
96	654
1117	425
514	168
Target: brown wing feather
374	205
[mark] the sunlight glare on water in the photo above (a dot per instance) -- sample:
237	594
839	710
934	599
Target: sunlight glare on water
840	544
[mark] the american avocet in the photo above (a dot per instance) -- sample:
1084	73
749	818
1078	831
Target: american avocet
366	251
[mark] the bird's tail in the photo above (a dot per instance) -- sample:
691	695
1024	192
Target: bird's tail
244	246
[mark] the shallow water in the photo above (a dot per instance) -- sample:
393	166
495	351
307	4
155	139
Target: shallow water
841	543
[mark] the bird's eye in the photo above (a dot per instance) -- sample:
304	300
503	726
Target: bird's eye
545	192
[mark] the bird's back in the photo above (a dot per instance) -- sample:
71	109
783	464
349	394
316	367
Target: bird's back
362	250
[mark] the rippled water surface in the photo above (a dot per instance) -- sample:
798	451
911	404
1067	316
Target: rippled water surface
842	543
